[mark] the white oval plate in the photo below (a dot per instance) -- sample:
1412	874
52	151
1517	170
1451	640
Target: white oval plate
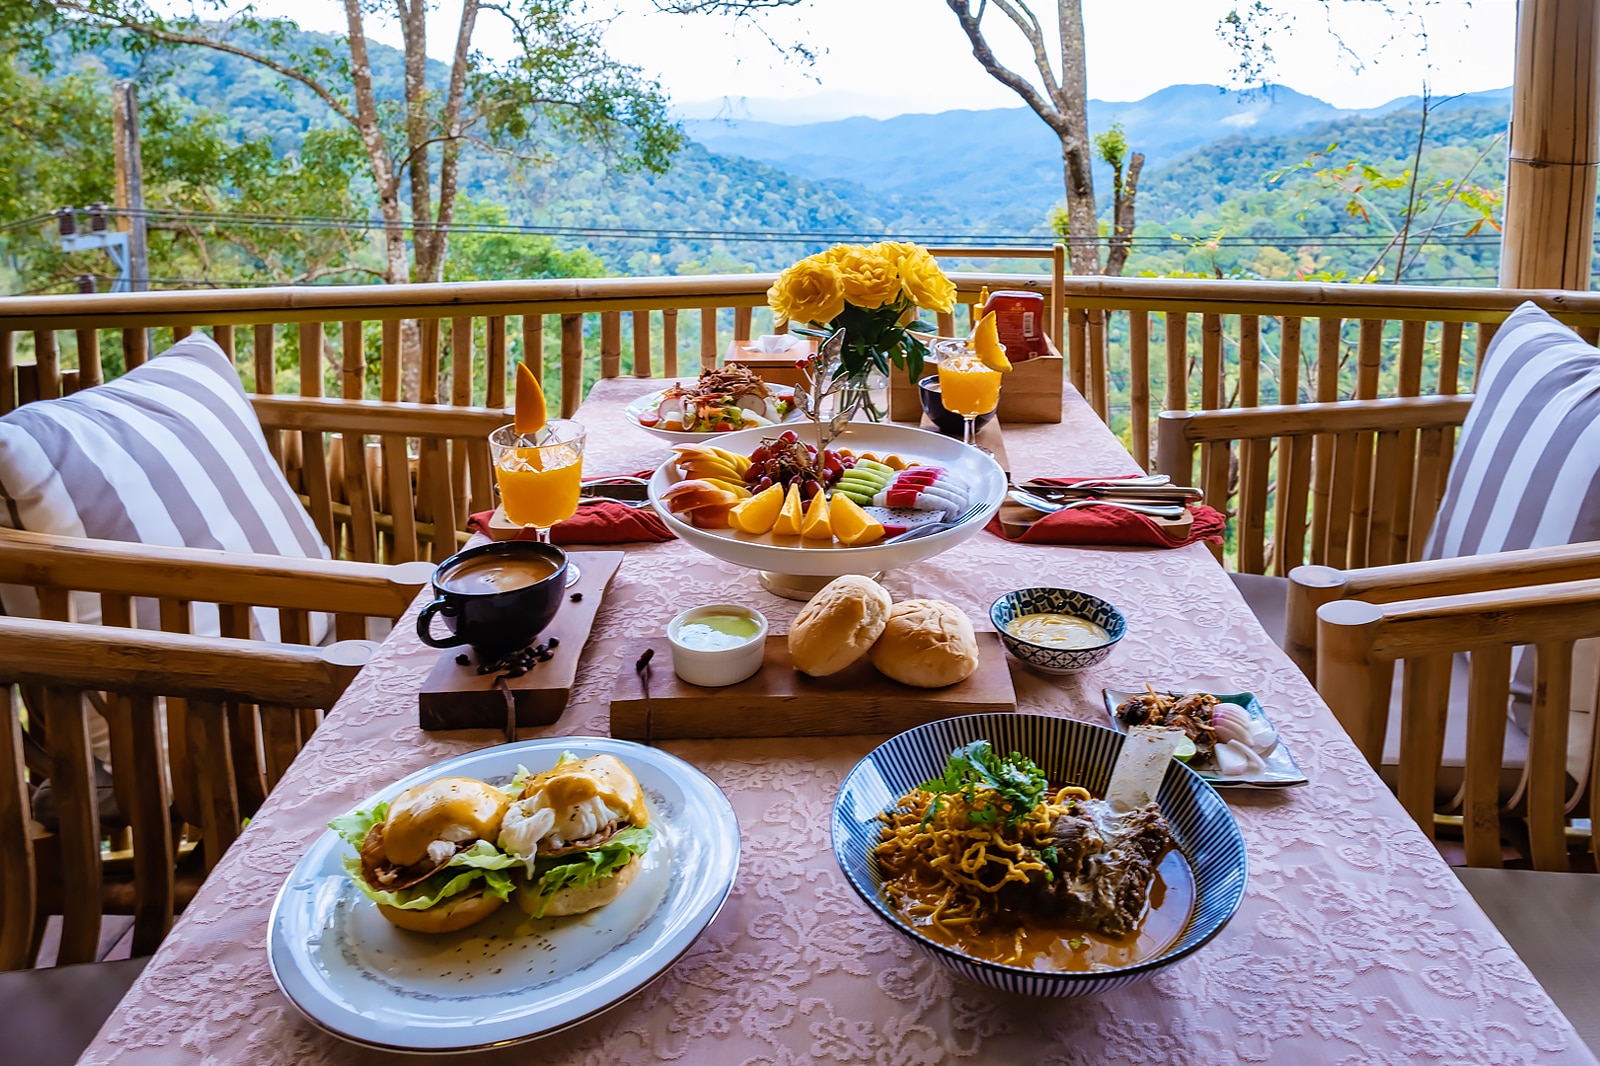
510	977
646	402
792	555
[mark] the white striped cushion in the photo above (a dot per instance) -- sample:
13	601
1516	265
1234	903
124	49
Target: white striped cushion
170	453
1526	472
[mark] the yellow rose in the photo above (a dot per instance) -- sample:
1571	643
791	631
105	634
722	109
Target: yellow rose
894	251
871	280
925	284
810	291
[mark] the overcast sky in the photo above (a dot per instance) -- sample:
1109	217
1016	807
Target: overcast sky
886	57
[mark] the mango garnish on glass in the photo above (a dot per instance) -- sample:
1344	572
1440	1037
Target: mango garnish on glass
530	407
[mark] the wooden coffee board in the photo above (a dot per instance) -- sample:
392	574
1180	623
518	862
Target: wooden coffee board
990	437
779	701
458	697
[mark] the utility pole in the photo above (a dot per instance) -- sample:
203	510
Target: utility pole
130	179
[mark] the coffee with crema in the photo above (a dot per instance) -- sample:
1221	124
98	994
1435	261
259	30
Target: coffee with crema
490	574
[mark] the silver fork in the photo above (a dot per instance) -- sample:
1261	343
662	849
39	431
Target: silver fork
929	528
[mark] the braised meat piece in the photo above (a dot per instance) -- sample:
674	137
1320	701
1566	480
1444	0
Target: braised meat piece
1101	865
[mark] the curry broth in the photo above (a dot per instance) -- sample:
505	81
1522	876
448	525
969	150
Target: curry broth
1043	943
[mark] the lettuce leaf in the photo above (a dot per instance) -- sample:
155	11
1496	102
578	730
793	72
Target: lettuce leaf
354	827
590	866
483	861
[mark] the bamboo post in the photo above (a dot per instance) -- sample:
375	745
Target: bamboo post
1058	292
8	371
1177	396
708	337
90	373
610	344
571	363
533	344
495	361
1139	385
669	342
1554	147
641	344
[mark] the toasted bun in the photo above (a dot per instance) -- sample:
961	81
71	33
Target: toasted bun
576	899
838	625
450	808
927	643
456	913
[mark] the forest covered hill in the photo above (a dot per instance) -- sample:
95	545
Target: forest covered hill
1224	190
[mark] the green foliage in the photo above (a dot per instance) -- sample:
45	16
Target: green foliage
492	256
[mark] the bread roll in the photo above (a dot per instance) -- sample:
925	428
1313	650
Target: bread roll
927	643
839	625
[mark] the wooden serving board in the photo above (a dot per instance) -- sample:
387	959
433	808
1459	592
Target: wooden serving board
779	701
458	697
990	437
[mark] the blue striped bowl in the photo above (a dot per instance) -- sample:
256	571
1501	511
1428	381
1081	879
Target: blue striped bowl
1069	752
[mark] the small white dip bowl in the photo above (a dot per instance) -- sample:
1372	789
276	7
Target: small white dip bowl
721	666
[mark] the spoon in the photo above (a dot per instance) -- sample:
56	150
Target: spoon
1039	503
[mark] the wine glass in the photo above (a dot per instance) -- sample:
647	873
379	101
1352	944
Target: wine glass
539	476
967	386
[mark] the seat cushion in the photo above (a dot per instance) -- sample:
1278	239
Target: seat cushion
1552	920
1268	597
171	453
48	1016
1526	471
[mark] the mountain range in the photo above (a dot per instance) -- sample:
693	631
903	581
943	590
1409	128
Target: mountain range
1001	169
1208	154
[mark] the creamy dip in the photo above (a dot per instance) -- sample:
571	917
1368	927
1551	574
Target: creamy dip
1058	631
715	632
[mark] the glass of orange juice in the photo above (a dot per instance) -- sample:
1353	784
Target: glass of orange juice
966	386
539	474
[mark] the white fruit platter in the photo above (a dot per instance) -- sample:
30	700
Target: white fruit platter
942	478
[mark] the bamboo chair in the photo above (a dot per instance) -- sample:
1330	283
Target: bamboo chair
1353	483
1550	915
47	872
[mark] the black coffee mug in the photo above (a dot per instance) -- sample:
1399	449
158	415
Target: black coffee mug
496	624
946	422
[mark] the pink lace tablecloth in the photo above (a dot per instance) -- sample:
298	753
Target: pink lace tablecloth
1354	944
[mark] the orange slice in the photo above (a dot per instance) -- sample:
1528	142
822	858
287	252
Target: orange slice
986	342
759	513
788	524
530	414
851	524
816	525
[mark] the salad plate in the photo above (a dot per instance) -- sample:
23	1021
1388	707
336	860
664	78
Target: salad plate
642	410
1279	770
510	977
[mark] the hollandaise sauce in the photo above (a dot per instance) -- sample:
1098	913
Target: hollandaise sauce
1058	631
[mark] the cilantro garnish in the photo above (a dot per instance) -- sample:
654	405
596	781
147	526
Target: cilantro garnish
994	788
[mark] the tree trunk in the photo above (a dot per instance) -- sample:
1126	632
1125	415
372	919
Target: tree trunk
1122	216
1083	228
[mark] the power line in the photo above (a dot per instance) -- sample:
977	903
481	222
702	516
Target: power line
749	236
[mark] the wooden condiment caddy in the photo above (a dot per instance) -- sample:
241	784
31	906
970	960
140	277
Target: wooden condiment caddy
779	701
1031	392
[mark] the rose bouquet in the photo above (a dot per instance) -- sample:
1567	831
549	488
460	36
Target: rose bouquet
872	292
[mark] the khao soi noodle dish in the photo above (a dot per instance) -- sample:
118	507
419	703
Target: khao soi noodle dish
995	861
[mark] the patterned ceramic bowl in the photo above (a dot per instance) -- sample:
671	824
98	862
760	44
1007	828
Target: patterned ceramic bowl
1069	752
1022	602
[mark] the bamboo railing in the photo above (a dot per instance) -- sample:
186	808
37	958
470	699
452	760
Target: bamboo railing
1134	347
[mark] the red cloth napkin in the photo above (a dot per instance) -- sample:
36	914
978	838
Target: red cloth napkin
605	522
1112	526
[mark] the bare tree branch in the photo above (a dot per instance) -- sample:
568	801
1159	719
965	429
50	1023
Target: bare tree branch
1033	33
971	25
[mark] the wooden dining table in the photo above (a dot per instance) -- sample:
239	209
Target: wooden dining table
1354	944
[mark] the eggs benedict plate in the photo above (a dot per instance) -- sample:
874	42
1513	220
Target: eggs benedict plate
393	931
